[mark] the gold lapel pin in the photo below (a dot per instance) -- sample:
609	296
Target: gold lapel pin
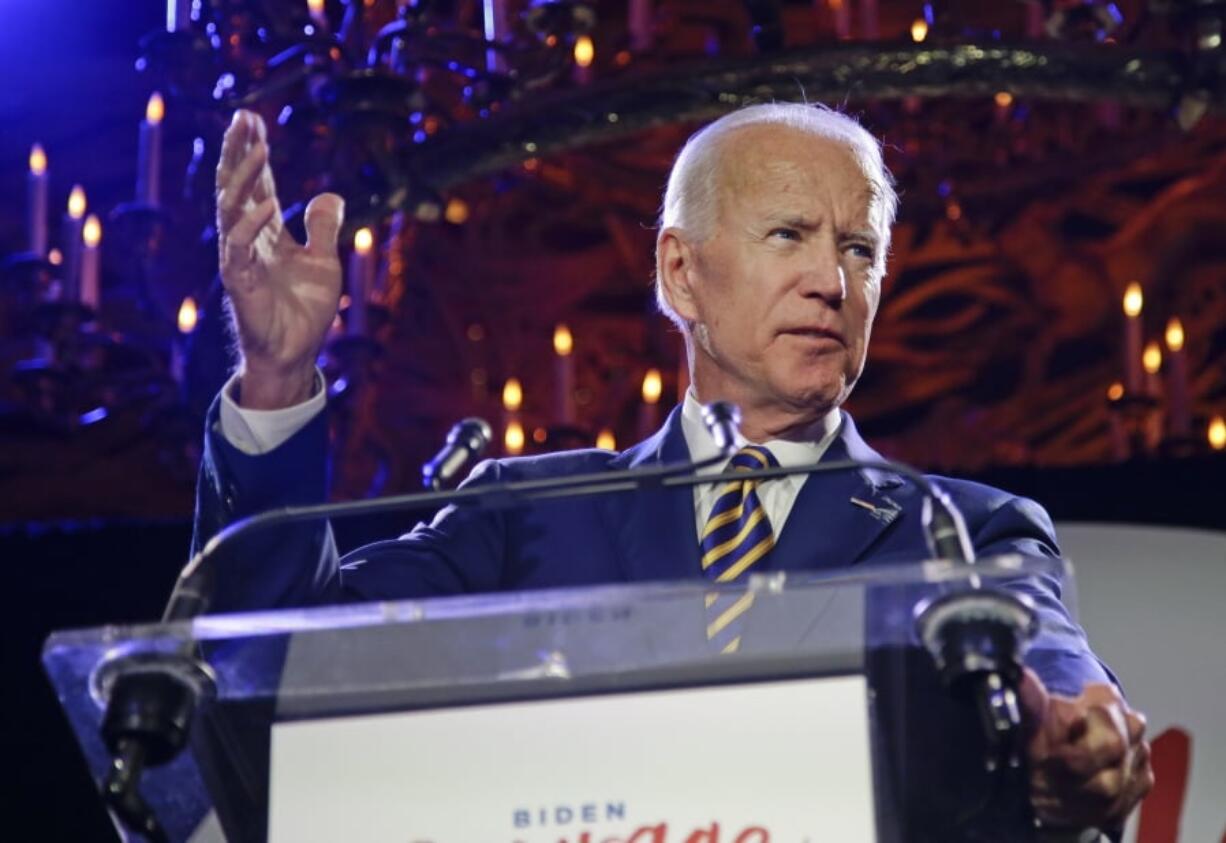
865	504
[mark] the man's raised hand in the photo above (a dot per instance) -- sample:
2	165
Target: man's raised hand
284	295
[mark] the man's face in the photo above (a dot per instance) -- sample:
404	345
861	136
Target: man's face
785	287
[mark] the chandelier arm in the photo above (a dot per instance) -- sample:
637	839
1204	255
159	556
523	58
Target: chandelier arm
605	112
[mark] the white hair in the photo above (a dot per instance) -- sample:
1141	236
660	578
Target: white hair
691	200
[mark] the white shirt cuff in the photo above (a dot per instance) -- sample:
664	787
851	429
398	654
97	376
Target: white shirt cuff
256	432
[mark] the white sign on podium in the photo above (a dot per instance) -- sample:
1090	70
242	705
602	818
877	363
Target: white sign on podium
745	763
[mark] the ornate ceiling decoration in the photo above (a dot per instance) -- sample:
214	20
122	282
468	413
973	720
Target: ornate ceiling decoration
1047	154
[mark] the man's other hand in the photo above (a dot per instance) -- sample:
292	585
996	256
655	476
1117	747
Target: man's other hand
284	295
1089	762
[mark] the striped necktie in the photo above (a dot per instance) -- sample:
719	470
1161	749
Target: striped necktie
736	537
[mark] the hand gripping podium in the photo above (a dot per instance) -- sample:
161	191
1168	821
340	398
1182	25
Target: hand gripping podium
595	714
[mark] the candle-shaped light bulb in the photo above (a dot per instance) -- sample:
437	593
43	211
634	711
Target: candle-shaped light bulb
76	202
155	109
319	15
91	236
564	374
362	266
585	51
456	211
640	23
1179	410
92	233
178	347
1133	300
70	234
919	30
149	152
38	160
563	342
606	440
1116	438
1151	358
513	439
512	395
653	386
1217	433
1174	335
37	183
1004	103
178	15
188	315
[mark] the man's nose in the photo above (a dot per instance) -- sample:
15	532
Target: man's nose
824	278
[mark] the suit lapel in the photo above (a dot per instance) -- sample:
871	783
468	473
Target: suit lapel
838	516
653	529
835	519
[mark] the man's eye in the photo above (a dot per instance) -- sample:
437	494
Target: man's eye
862	250
784	233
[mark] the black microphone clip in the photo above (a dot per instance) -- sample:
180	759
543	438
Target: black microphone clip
723	421
977	639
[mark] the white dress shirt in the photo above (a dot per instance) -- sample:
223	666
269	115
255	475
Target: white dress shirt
257	432
777	495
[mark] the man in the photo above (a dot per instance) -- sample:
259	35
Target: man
770	258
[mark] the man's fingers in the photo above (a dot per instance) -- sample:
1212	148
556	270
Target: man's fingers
323	219
1095	765
1105	787
232	194
1142	770
258	128
233	146
243	233
1136	723
1099	744
265	186
1141	754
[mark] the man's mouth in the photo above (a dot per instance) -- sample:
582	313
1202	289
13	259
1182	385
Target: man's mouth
814	333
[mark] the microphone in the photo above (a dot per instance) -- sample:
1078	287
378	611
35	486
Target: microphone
977	639
723	421
944	529
465	441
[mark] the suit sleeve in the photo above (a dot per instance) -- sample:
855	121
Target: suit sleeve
290	566
461	551
1060	654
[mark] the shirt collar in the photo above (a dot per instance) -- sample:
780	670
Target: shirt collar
805	450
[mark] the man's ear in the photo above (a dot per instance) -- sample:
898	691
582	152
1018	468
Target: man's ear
676	264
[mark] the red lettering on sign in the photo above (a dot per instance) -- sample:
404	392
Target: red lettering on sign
710	834
1160	812
650	834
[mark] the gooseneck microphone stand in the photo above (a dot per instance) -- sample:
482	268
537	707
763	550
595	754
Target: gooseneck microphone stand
150	707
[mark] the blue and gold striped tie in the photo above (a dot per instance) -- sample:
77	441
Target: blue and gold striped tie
736	537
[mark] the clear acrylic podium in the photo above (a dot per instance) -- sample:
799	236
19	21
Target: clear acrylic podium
545	716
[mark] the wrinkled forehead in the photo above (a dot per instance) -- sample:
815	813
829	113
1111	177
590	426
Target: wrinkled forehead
767	164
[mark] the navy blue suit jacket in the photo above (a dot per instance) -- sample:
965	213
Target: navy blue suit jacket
648	535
